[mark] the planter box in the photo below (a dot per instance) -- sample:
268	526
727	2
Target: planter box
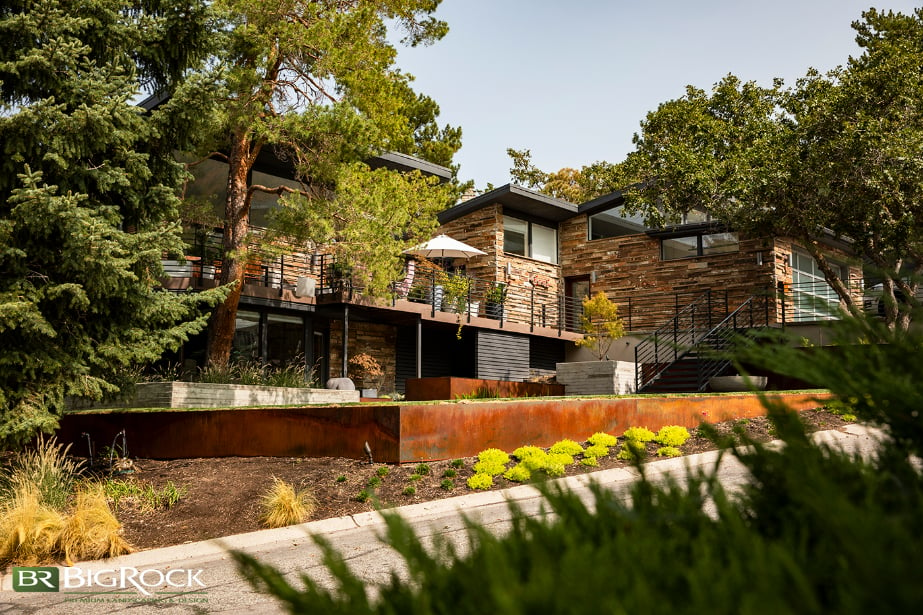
597	377
205	395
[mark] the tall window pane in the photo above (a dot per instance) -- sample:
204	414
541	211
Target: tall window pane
284	339
247	336
544	244
680	247
515	235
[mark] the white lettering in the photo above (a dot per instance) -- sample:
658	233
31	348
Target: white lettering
73	573
170	574
35	577
152	571
113	582
195	577
131	578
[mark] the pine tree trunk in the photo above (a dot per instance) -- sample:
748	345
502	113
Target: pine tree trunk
236	228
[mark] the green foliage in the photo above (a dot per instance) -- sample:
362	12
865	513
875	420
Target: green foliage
363	496
672	435
458	463
409	490
632	450
480	481
596	450
447	484
523	452
88	203
382	471
519	473
449	473
482	392
566	446
415	477
493	468
338	100
835	151
560	459
494	455
341	478
603	439
44	469
141	494
374	481
638	434
601	324
669	451
590	461
422	469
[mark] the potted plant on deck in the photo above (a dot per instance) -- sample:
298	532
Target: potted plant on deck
495	299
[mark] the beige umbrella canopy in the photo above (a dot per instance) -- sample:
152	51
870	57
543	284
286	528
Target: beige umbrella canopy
443	246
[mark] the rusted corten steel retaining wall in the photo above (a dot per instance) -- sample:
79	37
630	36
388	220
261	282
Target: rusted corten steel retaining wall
274	432
401	433
451	387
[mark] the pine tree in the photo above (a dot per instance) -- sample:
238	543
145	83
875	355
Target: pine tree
88	203
315	83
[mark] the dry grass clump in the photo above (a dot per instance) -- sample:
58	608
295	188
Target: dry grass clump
283	506
43	520
29	529
91	531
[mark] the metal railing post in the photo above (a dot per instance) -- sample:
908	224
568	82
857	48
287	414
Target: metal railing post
532	309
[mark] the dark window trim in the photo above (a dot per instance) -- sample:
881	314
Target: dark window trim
529	223
699	244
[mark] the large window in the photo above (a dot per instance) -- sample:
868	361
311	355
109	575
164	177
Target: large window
705	244
812	296
530	239
275	339
614	222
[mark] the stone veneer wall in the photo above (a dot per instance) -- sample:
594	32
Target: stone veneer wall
483	229
375	339
631	266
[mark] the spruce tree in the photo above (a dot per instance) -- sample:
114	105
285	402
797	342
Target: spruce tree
88	203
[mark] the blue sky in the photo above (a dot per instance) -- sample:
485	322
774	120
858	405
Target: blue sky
572	81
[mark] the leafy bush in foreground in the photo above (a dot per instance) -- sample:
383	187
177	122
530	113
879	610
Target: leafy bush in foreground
814	531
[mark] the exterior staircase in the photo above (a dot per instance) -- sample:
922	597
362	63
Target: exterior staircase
682	355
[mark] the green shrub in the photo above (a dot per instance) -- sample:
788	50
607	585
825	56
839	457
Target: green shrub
374	481
559	459
422	469
590	461
494	455
449	473
481	481
568	447
382	471
414	477
638	434
527	451
554	469
672	435
669	451
458	463
363	496
409	490
518	474
596	450
602	439
447	484
489	467
341	478
632	450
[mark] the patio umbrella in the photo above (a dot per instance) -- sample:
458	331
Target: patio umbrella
443	246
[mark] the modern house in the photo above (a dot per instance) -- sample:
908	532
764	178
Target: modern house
518	309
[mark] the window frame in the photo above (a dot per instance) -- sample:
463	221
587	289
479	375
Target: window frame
529	251
701	248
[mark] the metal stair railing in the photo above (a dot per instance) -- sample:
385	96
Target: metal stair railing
712	349
662	348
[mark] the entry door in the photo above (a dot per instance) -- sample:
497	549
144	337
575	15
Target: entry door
575	289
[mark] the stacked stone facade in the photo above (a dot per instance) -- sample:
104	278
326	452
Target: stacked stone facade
377	340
